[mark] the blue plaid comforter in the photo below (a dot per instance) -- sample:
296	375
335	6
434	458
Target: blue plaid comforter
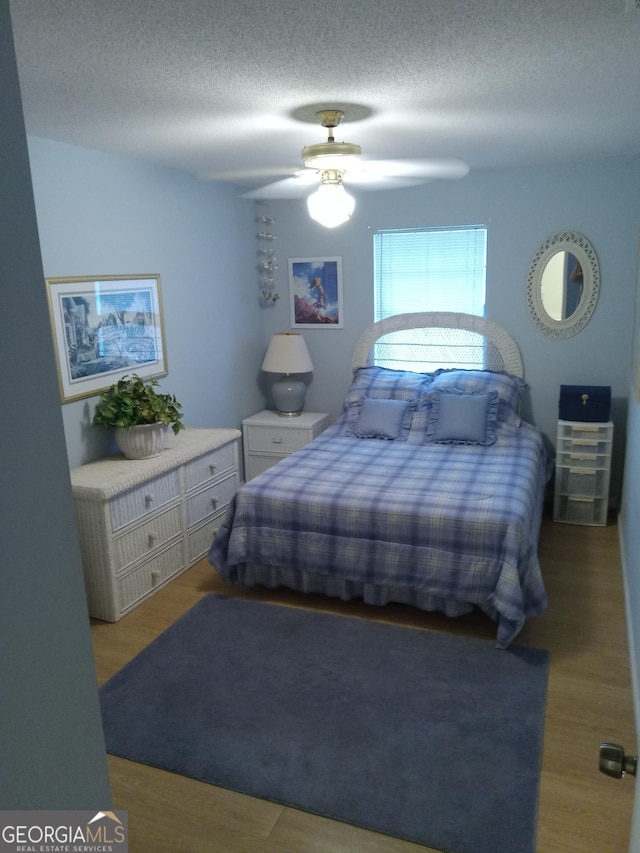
433	525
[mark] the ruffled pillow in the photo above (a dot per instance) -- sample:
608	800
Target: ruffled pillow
382	418
508	387
463	417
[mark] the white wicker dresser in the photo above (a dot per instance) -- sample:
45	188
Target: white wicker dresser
141	522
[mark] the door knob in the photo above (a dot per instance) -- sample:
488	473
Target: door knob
614	762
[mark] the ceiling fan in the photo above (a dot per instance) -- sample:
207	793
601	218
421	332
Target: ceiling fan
336	163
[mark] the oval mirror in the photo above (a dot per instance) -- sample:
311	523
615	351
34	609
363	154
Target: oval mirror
563	284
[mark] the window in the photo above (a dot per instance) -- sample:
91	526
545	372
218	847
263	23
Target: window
429	269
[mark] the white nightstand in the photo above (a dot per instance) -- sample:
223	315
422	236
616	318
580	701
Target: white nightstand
583	465
268	437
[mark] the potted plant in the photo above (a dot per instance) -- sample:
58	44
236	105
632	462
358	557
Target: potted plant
140	415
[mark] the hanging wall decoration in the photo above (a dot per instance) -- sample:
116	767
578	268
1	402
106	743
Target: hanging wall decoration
267	258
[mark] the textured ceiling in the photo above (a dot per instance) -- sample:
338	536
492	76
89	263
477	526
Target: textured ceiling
215	87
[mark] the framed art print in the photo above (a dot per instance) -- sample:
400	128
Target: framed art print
105	328
316	293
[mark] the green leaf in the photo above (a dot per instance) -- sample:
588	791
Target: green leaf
131	402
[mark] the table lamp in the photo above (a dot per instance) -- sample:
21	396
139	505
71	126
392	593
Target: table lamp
287	353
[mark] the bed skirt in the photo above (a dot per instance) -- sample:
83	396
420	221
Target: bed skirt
272	577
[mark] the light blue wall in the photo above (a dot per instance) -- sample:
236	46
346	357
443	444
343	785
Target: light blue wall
521	208
100	214
630	541
629	532
52	752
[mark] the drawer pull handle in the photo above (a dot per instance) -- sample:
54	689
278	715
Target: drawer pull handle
155	577
152	540
212	467
276	441
214	502
585	398
148	500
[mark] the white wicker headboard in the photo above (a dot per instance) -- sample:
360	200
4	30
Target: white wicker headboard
440	339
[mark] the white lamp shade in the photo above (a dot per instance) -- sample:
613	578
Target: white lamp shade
330	204
287	353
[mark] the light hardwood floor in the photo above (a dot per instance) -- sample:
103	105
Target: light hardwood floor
588	701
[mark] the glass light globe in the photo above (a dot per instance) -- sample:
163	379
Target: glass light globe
331	205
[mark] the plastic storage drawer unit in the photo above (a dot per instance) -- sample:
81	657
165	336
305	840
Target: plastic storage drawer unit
583	466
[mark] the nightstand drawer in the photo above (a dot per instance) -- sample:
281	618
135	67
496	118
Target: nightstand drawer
259	462
268	438
275	440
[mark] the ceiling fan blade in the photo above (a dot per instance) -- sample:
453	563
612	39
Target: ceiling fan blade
429	168
253	175
296	186
364	181
396	174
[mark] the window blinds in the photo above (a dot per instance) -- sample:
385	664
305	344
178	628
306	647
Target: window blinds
430	269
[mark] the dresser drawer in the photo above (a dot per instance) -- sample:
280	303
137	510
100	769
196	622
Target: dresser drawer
275	440
199	539
145	499
217	463
212	499
146	538
143	579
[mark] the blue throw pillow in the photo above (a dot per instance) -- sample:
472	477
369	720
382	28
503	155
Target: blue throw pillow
508	387
459	417
381	418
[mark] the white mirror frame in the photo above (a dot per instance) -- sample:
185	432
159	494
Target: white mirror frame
576	244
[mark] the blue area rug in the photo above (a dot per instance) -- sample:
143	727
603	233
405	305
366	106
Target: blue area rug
428	737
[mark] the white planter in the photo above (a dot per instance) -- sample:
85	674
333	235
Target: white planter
142	442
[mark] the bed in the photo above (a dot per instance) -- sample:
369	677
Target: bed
427	490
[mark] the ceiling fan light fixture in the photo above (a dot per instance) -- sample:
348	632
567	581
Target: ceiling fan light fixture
339	156
331	205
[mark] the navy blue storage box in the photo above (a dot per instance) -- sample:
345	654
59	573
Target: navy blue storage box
585	403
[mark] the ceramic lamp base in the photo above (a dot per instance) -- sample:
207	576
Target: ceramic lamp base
288	396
